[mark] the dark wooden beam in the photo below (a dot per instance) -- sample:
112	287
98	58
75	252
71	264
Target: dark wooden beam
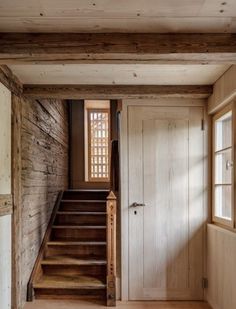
114	91
17	202
117	48
8	79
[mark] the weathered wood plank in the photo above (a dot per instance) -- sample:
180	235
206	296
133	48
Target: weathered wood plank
224	91
17	202
116	48
8	79
115	91
111	209
44	172
5	204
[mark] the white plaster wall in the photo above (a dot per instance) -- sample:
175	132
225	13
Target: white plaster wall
5	262
5	188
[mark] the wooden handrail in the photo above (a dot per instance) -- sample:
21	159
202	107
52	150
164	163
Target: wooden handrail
111	209
36	270
114	166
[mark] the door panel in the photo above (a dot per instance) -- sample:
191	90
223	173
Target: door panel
166	174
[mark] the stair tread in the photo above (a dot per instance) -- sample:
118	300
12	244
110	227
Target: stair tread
87	190
82	200
69	282
76	243
71	260
93	213
79	227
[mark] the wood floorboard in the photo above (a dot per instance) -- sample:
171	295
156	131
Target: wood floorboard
67	304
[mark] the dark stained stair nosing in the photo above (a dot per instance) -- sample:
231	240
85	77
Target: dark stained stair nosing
82	227
76	243
83	213
82	201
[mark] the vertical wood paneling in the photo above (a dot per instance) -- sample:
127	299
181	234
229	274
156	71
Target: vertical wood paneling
44	139
221	257
224	90
166	172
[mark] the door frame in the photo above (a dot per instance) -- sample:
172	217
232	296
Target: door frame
161	102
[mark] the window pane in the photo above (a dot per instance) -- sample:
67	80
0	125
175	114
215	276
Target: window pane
223	167
223	131
223	202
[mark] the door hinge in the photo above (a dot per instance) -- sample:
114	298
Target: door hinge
203	125
204	283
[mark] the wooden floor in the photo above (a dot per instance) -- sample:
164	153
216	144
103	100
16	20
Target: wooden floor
67	304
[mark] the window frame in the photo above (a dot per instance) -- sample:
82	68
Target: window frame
216	219
101	110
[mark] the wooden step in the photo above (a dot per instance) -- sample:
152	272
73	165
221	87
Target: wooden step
75	270
88	213
76	243
78	233
83	205
86	194
84	201
71	294
71	260
73	266
72	227
80	218
69	282
79	249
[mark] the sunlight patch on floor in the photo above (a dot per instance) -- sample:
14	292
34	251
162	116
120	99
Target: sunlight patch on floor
74	304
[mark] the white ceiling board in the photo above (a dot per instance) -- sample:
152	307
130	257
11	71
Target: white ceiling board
114	8
113	16
119	74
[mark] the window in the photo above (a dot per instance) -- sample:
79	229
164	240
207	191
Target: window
98	144
223	176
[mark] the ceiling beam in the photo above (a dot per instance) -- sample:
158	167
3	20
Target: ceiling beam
114	91
117	48
8	79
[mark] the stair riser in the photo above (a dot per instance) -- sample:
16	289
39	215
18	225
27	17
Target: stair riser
85	195
75	270
63	219
70	294
88	252
79	234
81	206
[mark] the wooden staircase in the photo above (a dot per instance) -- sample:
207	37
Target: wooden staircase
77	256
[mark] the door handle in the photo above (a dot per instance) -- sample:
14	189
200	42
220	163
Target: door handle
135	204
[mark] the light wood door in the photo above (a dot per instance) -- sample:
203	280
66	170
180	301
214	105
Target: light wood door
165	149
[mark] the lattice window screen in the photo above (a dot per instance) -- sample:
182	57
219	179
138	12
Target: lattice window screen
98	144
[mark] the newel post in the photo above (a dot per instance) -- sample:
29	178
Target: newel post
111	249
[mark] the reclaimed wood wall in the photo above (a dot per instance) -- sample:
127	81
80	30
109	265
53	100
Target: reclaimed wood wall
44	153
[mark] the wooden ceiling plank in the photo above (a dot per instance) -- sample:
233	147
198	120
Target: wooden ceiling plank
117	48
115	91
116	9
142	24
